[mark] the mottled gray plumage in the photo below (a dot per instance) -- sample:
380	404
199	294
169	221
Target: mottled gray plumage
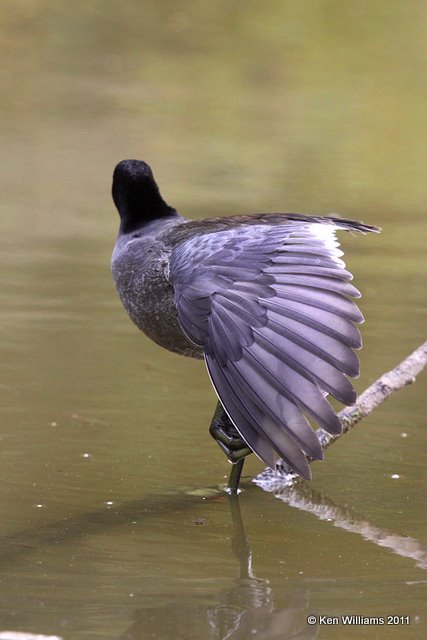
265	299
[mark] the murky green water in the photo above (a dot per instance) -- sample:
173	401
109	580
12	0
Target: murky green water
239	107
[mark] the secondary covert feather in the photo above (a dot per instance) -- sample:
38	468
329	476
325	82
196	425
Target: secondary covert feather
265	299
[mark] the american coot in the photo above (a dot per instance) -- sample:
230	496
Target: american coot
265	299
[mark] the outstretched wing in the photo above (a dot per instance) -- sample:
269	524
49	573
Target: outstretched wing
271	306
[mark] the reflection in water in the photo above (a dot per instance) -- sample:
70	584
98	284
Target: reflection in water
245	611
262	621
230	620
303	497
249	607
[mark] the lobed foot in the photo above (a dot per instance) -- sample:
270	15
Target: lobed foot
226	435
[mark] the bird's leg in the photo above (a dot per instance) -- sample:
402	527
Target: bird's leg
235	448
234	478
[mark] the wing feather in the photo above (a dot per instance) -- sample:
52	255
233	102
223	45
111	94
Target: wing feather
240	416
327	300
244	412
273	309
326	322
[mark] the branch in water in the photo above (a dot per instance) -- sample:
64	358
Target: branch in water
390	382
302	496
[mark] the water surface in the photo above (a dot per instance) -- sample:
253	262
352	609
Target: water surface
105	457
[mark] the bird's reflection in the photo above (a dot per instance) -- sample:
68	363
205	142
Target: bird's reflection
246	610
248	607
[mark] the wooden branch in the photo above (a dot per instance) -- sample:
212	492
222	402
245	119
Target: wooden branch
390	382
405	373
